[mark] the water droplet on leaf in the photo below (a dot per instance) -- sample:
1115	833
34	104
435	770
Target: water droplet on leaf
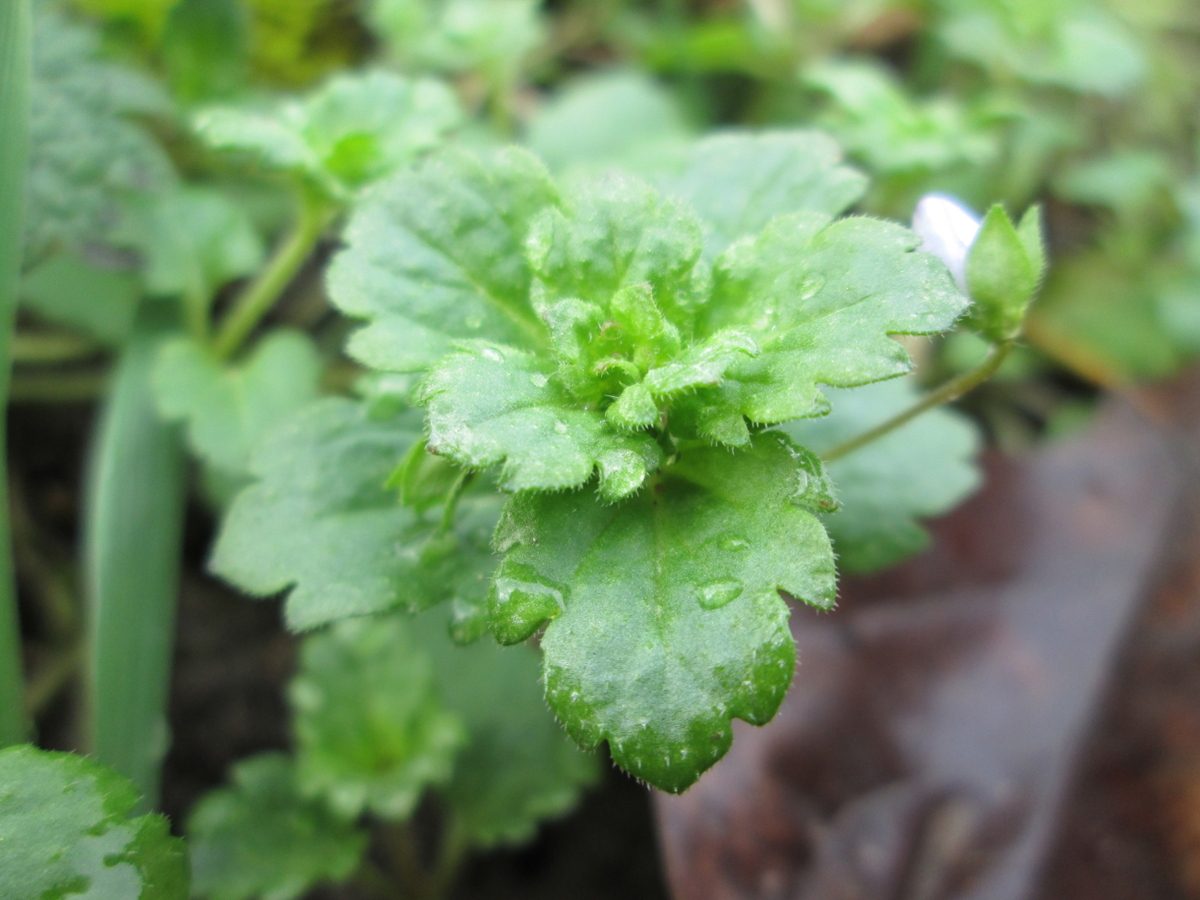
560	427
538	379
716	594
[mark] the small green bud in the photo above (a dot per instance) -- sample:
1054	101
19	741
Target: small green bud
1004	268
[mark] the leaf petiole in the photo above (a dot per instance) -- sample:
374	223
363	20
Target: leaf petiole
948	392
264	291
455	494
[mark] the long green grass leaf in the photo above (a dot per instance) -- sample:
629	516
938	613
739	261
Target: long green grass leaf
135	504
14	148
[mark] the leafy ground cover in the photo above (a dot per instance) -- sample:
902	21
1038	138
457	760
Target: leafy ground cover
531	367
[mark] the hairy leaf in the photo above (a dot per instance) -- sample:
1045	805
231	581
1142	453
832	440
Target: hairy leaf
665	619
821	298
738	182
517	767
435	256
259	838
228	409
922	469
495	404
321	522
371	730
354	130
66	831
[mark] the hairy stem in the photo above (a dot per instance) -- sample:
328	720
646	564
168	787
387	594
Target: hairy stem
15	74
948	392
264	291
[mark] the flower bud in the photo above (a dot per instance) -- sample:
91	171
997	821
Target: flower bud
947	229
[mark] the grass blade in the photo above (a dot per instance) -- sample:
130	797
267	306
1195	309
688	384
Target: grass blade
132	535
15	67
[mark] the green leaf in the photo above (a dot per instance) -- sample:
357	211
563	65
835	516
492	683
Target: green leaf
619	116
227	408
320	522
1001	276
738	182
517	767
493	404
665	619
100	302
878	122
492	37
193	239
259	838
356	129
371	730
435	256
87	156
921	469
66	831
820	298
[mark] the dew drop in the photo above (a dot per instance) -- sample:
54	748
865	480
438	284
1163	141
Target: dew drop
560	427
811	285
493	354
733	543
538	379
716	594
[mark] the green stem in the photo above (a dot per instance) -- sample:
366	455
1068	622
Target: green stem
57	387
15	74
264	291
951	390
133	526
50	348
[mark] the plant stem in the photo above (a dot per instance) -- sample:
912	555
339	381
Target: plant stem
15	74
951	390
49	348
264	291
133	526
455	494
57	387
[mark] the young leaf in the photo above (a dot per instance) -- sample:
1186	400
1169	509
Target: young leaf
821	298
435	256
229	408
86	157
66	831
371	730
259	838
921	469
493	404
517	767
665	620
738	182
321	522
354	130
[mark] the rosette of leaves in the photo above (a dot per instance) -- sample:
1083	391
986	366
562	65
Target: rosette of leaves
623	388
353	130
